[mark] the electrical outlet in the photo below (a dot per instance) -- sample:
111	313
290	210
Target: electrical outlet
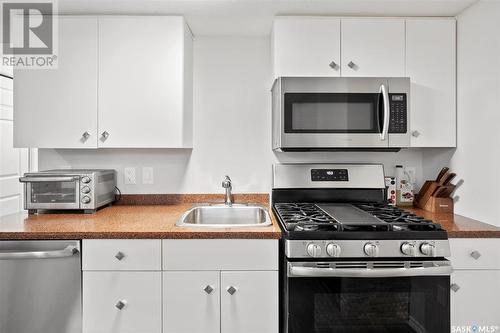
129	176
147	175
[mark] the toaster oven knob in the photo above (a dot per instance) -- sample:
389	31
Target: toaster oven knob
333	250
85	189
428	249
85	179
371	249
314	250
86	200
408	249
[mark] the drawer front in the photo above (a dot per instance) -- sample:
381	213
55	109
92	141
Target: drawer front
115	302
220	254
475	253
121	254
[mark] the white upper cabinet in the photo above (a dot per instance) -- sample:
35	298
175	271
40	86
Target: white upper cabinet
306	46
431	66
373	47
145	80
122	81
55	107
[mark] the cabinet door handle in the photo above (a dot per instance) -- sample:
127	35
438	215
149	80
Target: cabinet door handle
333	65
231	290
351	65
209	289
415	134
121	304
119	255
85	136
475	254
455	287
104	135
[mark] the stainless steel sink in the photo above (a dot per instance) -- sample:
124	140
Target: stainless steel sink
223	216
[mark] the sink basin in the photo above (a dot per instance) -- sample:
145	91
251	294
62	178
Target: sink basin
222	216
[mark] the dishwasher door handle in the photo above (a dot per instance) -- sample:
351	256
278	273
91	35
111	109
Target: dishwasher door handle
68	251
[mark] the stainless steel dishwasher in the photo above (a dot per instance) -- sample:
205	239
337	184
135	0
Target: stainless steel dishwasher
40	287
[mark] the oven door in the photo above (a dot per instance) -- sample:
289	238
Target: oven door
341	113
51	192
367	297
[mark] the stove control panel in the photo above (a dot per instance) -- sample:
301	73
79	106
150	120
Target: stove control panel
386	248
329	175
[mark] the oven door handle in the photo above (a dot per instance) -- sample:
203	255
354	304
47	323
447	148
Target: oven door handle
48	179
301	271
385	100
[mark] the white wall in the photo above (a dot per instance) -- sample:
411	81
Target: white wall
477	158
232	130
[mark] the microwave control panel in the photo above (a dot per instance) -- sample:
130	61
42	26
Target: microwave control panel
399	113
329	175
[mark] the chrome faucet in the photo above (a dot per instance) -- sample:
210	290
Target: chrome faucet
226	183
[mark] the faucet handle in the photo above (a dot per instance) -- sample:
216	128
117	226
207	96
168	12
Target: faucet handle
226	182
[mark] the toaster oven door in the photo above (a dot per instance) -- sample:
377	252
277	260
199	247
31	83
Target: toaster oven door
51	192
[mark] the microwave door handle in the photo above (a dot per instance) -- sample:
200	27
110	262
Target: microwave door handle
301	271
48	179
385	102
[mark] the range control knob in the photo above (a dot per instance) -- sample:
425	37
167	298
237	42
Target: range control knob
408	249
85	179
333	250
428	249
314	250
86	200
371	249
85	189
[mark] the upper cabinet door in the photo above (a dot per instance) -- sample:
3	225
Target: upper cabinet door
431	66
54	108
373	47
145	82
306	46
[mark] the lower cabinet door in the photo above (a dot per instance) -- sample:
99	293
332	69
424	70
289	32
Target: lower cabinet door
191	302
249	302
122	302
475	297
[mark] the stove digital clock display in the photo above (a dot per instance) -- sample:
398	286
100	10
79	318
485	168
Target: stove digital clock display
329	175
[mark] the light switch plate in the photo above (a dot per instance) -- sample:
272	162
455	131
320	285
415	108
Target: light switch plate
129	176
147	175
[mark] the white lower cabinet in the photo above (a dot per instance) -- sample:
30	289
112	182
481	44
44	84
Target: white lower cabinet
475	297
475	285
122	302
249	302
191	302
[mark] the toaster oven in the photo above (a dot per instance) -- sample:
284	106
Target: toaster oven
71	189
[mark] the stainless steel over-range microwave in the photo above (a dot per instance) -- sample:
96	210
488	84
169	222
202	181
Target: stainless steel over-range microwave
71	189
326	113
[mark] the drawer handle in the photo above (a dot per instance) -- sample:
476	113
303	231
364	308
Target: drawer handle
333	65
121	304
455	287
119	255
475	254
351	65
231	290
208	289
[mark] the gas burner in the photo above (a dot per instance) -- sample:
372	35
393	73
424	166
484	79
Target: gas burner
306	227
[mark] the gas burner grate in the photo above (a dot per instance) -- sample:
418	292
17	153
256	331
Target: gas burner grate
304	217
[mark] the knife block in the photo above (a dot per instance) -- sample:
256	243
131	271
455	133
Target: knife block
438	205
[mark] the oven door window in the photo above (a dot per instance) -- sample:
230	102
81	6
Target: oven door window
48	192
332	113
369	305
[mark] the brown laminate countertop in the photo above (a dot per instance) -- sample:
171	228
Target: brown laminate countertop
459	226
122	221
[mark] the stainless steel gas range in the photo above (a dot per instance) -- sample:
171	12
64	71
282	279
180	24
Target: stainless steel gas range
352	263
